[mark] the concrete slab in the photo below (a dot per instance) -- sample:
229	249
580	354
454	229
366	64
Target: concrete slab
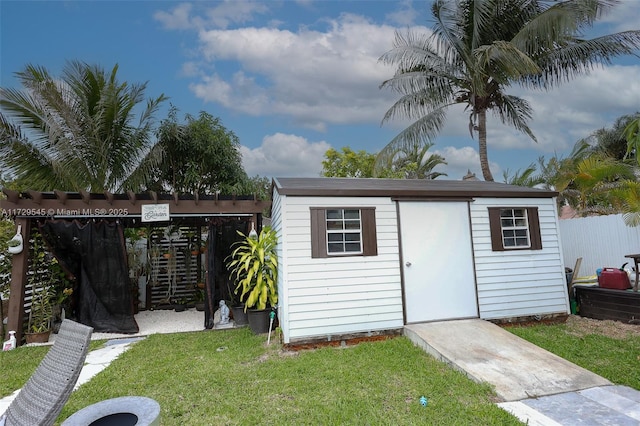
486	353
602	405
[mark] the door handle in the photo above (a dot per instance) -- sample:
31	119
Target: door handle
408	264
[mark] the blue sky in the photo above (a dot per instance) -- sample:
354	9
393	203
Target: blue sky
294	78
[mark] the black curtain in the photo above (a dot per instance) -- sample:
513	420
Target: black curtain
94	252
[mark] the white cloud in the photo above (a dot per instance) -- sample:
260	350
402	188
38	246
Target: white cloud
177	19
315	78
282	155
624	16
405	16
573	110
223	14
461	161
234	12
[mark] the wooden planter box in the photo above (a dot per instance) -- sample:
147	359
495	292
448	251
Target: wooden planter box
608	304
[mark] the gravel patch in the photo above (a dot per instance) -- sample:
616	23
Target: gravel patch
582	326
162	322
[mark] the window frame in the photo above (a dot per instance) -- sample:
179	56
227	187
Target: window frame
533	228
369	244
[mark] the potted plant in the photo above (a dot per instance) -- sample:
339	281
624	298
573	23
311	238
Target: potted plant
40	315
253	265
236	306
43	293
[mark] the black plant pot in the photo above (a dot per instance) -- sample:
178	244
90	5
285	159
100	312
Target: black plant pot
258	320
239	315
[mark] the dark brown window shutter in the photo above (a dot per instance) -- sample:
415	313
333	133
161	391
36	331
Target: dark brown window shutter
496	229
534	228
318	233
369	238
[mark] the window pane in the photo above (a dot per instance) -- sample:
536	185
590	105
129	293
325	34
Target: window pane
509	242
352	236
334	225
506	213
334	214
522	242
520	233
352	214
507	223
335	237
518	212
335	248
351	224
352	247
521	222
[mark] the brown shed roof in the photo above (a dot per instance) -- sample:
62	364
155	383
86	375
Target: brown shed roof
403	188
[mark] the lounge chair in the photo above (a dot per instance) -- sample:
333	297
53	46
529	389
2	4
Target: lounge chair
41	399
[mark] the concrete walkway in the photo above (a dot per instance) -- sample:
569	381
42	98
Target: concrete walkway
96	361
537	386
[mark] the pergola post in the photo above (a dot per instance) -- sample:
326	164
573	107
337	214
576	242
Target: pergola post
19	268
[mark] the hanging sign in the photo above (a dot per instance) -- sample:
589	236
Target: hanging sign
155	212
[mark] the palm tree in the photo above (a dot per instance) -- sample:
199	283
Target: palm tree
413	162
76	132
590	187
612	141
526	177
478	49
632	136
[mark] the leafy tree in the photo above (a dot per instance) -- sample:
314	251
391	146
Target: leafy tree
200	155
77	131
413	162
589	187
526	177
348	163
478	49
632	135
612	141
627	199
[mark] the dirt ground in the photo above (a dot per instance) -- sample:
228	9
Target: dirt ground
582	326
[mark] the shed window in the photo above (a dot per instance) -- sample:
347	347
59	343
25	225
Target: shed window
514	228
343	232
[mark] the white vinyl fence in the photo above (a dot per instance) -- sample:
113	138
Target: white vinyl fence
601	241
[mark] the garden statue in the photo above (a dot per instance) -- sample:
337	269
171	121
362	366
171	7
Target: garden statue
224	313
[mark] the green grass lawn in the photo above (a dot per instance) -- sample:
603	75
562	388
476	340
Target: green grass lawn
232	377
614	358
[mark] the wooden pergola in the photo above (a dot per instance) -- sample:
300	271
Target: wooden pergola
28	207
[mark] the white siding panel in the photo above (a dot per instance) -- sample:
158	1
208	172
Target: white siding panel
338	301
277	222
326	329
519	282
339	295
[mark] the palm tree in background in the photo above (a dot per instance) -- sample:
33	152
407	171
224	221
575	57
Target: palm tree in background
77	132
526	177
479	48
412	162
612	141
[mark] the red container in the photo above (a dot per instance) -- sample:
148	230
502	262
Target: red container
614	278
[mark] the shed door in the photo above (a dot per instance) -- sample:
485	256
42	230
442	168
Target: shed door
437	261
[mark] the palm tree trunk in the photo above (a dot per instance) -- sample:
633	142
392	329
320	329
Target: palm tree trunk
482	145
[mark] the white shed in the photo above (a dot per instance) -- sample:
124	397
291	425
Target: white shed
359	257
